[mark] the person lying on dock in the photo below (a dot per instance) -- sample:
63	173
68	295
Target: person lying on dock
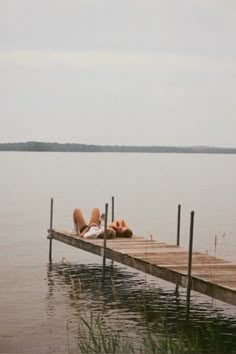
121	227
94	229
96	226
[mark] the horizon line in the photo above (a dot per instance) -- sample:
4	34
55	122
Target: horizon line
120	145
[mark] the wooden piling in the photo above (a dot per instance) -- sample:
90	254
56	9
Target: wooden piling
112	218
112	209
50	231
188	299
178	225
190	249
105	239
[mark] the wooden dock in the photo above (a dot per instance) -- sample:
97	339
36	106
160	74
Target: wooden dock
210	275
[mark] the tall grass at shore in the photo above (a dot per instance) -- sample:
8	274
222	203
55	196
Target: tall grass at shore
95	337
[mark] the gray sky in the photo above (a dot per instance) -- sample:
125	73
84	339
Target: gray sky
128	72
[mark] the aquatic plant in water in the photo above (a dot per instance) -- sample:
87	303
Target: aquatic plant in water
95	337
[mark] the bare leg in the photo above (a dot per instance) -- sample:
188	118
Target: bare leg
78	218
95	217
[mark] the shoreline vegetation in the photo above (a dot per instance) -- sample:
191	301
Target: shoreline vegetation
75	147
95	335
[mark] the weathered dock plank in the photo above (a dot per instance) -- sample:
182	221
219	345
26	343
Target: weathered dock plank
211	276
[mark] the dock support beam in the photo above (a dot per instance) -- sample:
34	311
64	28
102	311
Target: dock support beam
189	284
178	225
112	219
112	209
105	240
50	231
190	248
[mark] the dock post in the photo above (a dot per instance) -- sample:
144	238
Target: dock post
112	208
190	249
178	224
178	238
105	240
50	232
188	303
112	219
189	284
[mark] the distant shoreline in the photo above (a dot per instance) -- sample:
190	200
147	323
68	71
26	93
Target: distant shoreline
67	147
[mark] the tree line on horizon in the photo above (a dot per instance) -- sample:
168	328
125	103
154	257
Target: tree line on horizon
74	147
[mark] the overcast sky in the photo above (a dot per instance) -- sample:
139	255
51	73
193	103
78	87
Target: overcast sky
127	72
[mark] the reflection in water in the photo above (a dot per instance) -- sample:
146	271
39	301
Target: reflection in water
131	302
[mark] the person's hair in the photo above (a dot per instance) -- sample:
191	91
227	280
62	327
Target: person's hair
126	233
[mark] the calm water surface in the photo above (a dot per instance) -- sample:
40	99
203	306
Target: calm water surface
40	306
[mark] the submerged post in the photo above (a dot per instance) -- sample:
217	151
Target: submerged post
178	225
188	303
105	239
50	231
112	209
190	249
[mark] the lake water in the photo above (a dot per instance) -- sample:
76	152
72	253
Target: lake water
40	306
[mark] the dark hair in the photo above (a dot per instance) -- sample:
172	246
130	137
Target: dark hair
126	233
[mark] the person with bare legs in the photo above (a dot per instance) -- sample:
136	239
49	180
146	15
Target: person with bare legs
94	229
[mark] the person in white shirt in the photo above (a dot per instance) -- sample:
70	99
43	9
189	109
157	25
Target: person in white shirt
95	228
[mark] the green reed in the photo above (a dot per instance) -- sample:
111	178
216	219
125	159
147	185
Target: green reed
95	337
